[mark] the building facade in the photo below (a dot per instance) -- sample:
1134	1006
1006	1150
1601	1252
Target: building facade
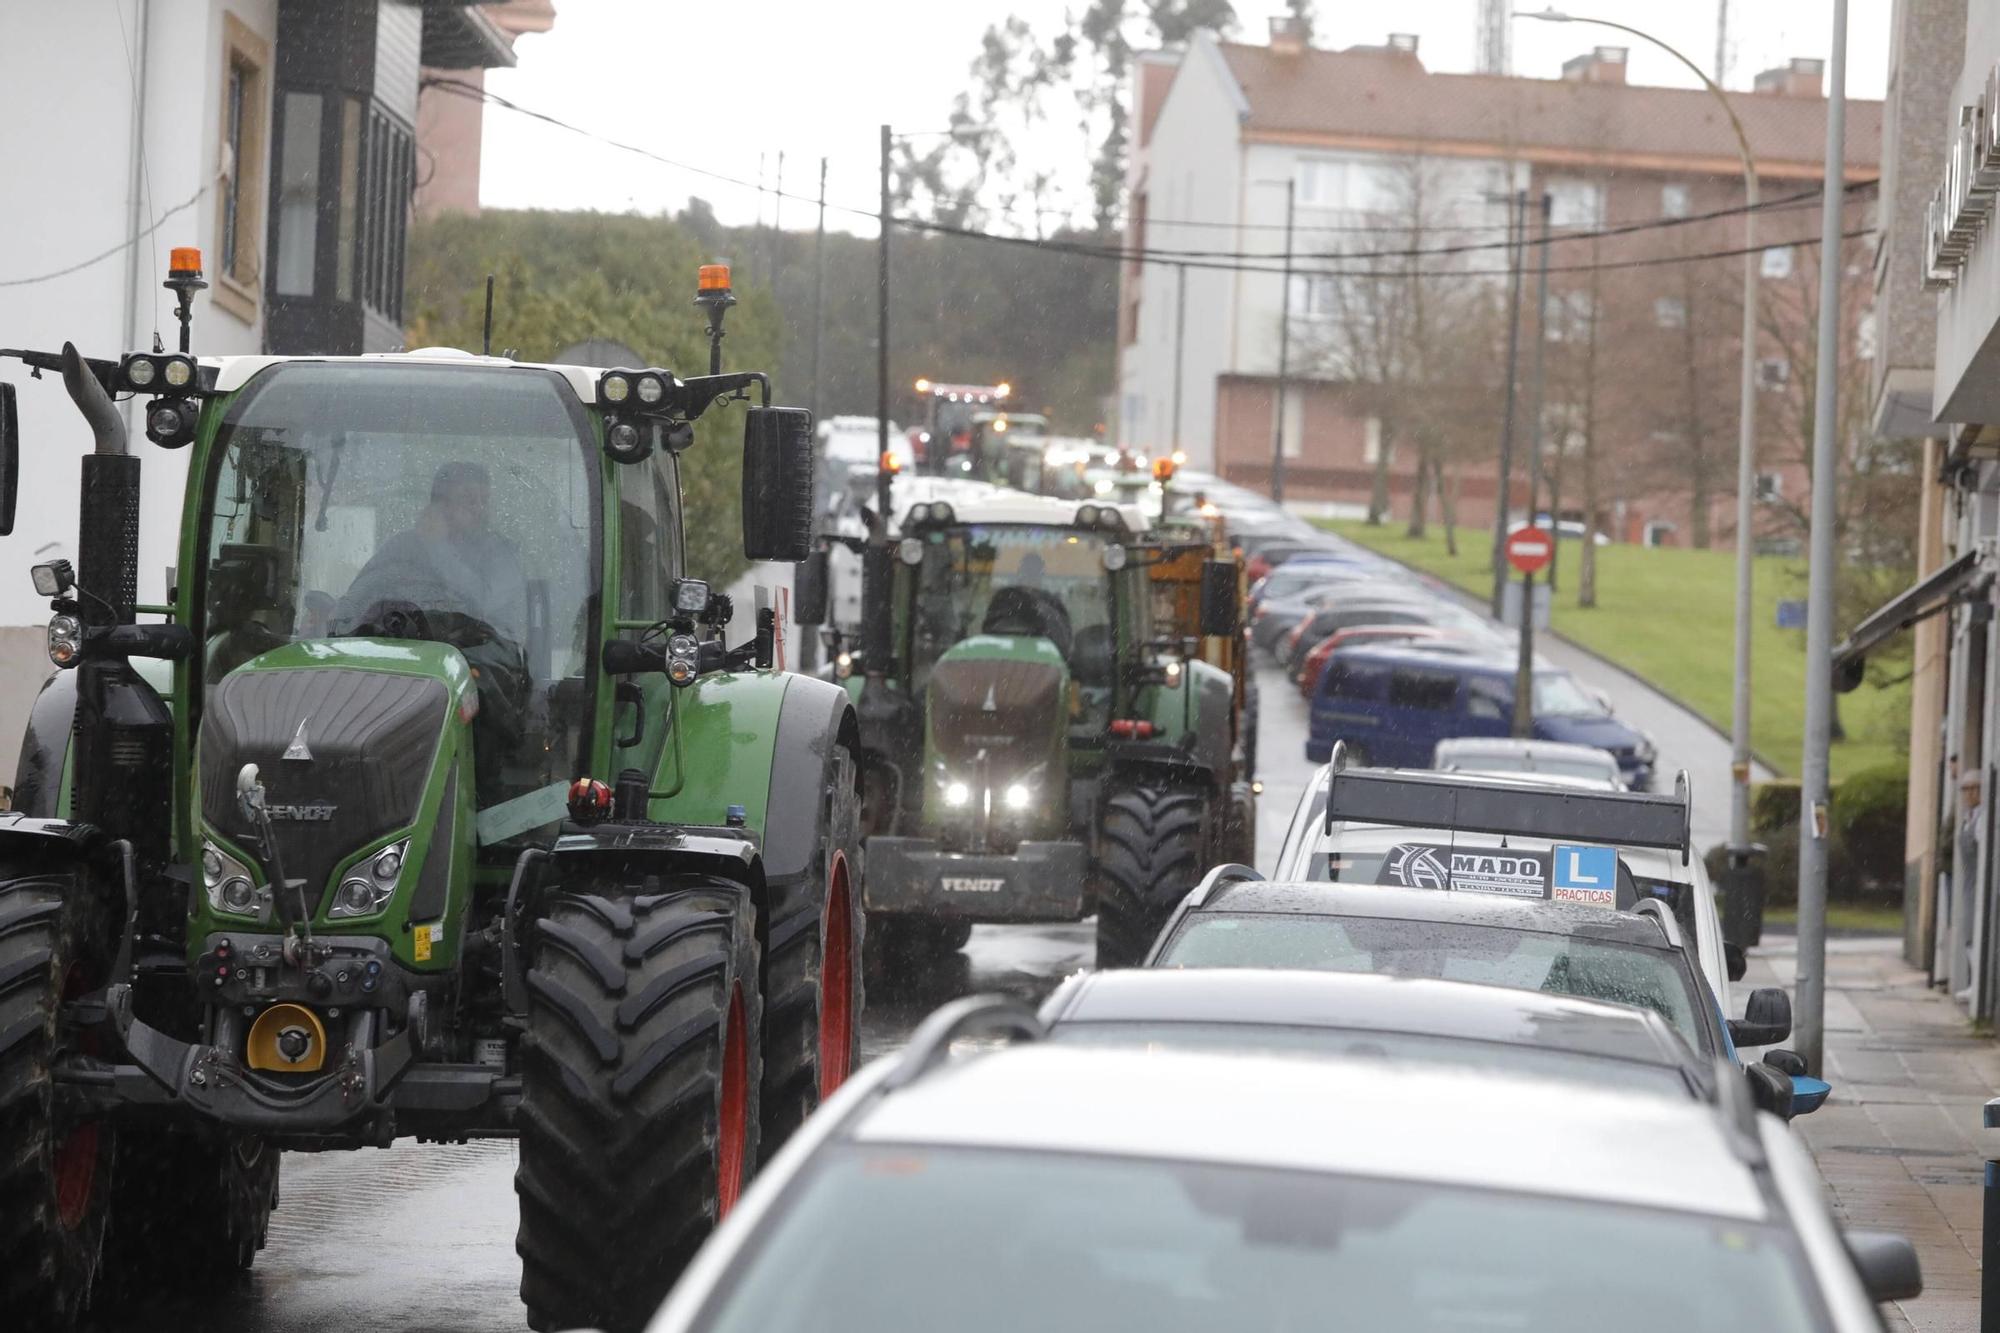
1400	184
275	135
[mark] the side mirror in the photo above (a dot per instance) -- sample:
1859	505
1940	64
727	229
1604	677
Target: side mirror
1886	1263
778	483
1769	1090
809	590
10	458
1767	1018
1808	1093
1734	961
1218	597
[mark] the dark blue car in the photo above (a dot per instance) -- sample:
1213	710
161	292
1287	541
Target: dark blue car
1393	705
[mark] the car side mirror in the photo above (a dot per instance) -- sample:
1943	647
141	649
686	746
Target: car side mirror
1769	1090
1734	961
1886	1263
1808	1093
809	591
778	485
1219	607
1767	1018
10	457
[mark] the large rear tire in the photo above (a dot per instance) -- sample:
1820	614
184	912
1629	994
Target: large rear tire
55	1177
812	972
1151	855
640	1071
188	1214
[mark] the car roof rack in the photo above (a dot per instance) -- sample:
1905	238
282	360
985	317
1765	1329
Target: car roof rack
973	1016
1404	799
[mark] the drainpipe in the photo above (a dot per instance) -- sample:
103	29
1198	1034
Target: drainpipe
135	187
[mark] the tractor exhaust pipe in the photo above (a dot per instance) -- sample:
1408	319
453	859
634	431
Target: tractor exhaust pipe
95	404
108	539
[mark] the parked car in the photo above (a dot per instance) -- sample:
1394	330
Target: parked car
1050	1185
1416	607
1397	1019
1275	617
1487	754
1313	665
1393	704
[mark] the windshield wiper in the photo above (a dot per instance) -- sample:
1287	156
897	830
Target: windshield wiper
332	475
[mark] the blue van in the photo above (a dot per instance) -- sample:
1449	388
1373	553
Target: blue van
1393	704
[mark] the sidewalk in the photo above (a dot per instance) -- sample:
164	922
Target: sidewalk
1896	1142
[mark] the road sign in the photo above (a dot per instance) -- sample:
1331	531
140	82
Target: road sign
1529	550
1792	613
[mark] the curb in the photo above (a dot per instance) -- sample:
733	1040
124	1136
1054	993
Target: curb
1480	604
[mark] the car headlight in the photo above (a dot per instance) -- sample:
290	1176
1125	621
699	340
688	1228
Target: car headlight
1645	750
231	886
371	882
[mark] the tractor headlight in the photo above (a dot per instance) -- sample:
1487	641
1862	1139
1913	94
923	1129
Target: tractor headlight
1114	557
371	883
230	885
942	512
957	795
683	659
843	666
690	596
910	551
1018	795
65	640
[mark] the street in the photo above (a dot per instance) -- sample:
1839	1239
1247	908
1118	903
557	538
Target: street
421	1236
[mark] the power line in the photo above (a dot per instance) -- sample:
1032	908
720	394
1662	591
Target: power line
103	255
1197	259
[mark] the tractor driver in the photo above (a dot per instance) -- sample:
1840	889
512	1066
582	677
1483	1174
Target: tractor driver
1026	607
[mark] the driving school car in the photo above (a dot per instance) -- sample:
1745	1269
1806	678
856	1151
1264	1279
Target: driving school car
1518	836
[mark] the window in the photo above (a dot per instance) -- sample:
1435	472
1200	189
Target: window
1770	486
389	170
1312	296
647	528
1670	312
1570	316
1673	201
1576	203
1295	422
240	185
1864	337
1777	262
1371	442
298	194
1432	691
1773	372
1489	697
1321	183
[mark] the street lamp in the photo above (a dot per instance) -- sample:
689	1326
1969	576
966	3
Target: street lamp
1746	446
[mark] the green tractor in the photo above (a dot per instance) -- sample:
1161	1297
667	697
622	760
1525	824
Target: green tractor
1037	744
430	803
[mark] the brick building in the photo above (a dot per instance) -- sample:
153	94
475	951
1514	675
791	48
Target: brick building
1381	154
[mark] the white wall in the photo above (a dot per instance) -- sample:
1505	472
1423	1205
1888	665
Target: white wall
67	99
1967	386
1192	167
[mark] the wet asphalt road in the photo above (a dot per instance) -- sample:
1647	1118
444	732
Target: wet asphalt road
422	1237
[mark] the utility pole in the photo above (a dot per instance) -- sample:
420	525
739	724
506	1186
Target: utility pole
1180	345
1284	356
1517	227
1819	597
882	345
819	288
1539	429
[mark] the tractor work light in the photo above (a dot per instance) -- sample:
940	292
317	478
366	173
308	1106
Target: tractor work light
626	443
690	596
1114	557
170	422
683	659
614	386
1003	391
651	389
910	551
140	372
65	640
923	386
53	578
147	372
1086	516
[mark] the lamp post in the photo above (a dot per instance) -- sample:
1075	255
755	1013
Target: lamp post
1746	445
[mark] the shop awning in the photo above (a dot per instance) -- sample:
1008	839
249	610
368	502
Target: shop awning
1926	597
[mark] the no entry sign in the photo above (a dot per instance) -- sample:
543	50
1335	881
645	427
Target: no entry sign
1530	549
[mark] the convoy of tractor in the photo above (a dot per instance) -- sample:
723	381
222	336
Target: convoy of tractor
432	801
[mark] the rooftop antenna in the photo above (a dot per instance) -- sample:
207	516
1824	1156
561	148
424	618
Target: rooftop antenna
486	337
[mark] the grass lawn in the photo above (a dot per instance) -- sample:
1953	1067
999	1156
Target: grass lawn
1666	614
1845	916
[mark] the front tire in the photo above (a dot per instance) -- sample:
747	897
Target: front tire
1151	843
188	1214
813	990
55	1178
640	1072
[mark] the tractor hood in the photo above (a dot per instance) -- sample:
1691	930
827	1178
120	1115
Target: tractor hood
997	699
346	735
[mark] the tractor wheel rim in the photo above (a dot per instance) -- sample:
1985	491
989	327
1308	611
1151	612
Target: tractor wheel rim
733	1132
836	984
76	1153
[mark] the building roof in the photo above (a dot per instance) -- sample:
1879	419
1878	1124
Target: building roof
1376	98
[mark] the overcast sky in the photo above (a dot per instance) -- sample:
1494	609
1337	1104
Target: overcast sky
717	84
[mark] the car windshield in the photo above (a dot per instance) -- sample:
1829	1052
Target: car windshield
899	1239
451	503
1558	695
1656	979
1389	1047
1016	579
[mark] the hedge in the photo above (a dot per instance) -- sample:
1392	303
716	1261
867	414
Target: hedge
1868	811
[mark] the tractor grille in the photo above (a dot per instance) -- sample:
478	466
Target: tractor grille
373	738
1009	709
